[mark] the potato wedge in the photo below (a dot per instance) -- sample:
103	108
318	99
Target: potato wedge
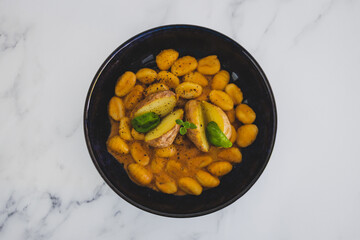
194	115
216	114
164	134
160	103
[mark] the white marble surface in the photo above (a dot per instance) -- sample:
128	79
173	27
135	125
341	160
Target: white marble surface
49	53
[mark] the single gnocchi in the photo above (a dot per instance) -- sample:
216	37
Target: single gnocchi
116	108
233	134
220	168
246	135
206	179
166	151
235	93
146	75
196	77
124	129
184	65
125	83
140	174
118	145
190	186
232	154
221	99
139	154
220	80
166	184
168	79
209	65
188	90
245	114
156	87
134	97
166	58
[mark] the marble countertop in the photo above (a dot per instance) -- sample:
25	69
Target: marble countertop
49	53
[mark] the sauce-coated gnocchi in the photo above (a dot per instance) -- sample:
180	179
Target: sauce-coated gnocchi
144	106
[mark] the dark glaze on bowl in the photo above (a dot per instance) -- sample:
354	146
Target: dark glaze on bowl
140	51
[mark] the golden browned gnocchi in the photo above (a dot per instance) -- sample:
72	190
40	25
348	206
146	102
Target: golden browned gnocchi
168	79
118	145
234	92
125	83
196	77
209	65
184	65
134	97
116	108
124	128
221	99
232	154
246	135
166	58
245	114
188	90
146	75
220	80
156	87
151	109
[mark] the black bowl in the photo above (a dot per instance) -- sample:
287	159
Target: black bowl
199	42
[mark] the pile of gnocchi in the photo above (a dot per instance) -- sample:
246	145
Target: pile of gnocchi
179	127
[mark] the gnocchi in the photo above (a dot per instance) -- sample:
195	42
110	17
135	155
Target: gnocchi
184	65
166	151
124	129
221	99
235	93
154	88
140	174
206	179
125	83
220	80
146	131
166	58
133	97
168	79
188	90
116	108
146	75
220	168
118	145
196	77
209	65
139	154
246	135
245	114
190	186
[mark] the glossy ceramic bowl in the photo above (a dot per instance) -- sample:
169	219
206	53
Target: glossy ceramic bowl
139	52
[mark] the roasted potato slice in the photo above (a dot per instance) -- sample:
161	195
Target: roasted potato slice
160	103
216	114
164	134
194	115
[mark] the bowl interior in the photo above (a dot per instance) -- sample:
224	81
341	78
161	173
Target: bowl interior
139	52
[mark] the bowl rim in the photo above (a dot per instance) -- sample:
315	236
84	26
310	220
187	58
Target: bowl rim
89	96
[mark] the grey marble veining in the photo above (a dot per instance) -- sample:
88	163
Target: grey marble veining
49	53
